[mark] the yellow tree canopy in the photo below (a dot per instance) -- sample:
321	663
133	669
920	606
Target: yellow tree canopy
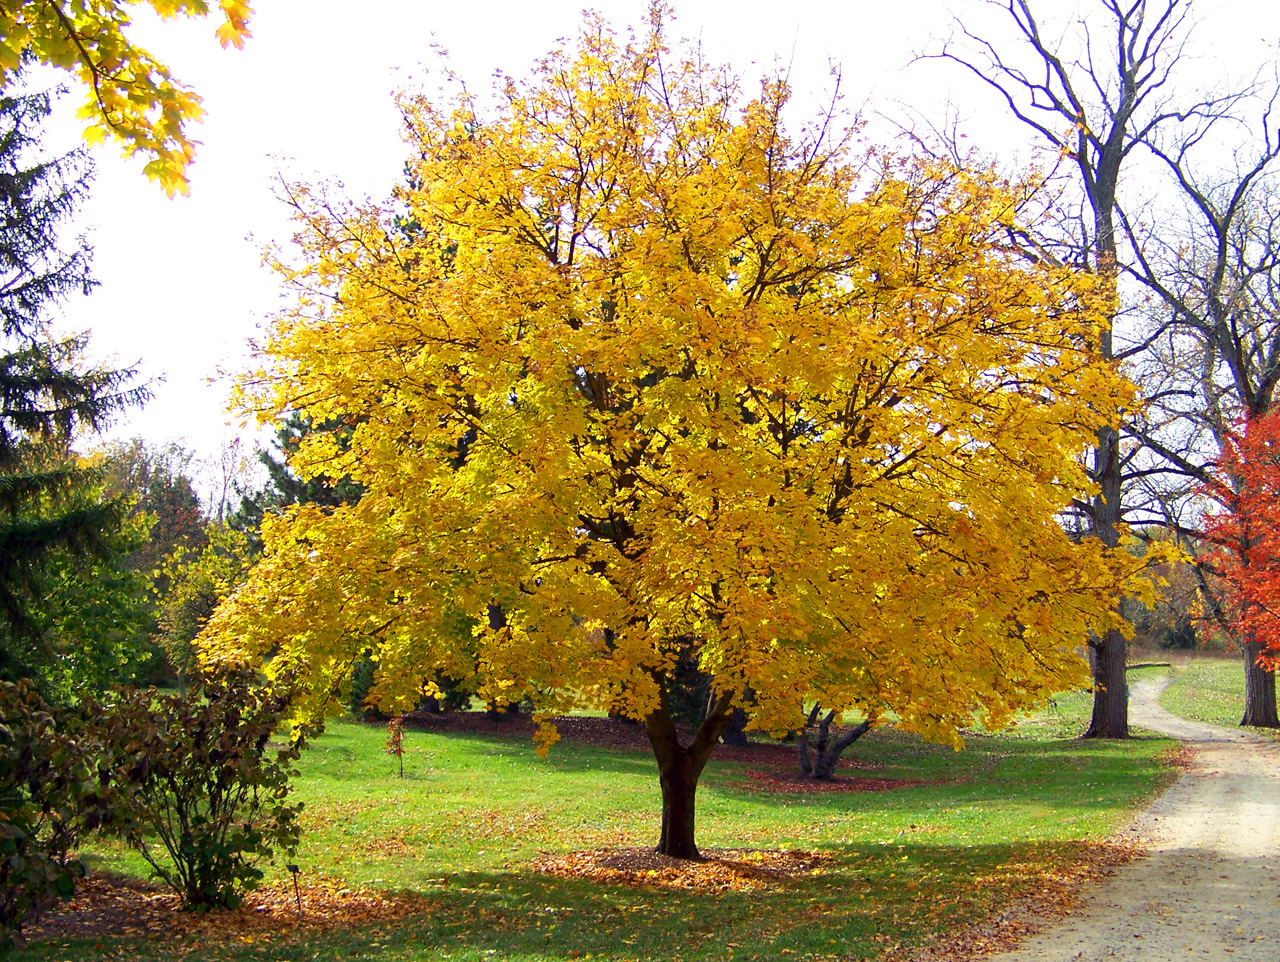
632	371
132	97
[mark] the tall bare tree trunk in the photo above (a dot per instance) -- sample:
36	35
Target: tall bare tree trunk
1088	110
1110	717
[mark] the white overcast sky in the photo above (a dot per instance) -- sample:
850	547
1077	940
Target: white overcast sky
311	97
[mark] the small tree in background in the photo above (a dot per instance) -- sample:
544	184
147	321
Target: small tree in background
157	483
195	580
395	741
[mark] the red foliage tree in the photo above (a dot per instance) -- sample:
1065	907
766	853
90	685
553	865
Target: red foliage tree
1245	535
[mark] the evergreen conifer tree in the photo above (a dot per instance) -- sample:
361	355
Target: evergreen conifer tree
51	505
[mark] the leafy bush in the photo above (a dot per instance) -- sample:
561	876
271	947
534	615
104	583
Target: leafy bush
47	783
200	781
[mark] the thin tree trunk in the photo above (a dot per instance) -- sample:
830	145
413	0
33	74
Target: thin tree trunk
1259	691
679	767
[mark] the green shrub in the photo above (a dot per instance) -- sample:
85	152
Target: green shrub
47	784
202	791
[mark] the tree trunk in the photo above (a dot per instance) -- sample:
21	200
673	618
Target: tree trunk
1259	691
802	741
824	768
827	750
1110	717
679	767
679	797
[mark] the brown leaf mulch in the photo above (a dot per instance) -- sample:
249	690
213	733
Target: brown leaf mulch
723	869
789	783
609	733
109	906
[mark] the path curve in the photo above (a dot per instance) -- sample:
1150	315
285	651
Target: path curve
1209	888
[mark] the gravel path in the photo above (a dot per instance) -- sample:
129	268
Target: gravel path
1210	887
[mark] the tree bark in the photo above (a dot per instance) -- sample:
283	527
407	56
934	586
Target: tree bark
1259	691
824	768
679	767
802	741
1110	718
826	751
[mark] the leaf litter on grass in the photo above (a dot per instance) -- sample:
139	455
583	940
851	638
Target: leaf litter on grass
721	870
1050	890
894	905
109	906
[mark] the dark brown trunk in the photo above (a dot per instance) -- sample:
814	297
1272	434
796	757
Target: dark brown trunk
826	750
824	768
679	798
679	767
1259	691
1110	717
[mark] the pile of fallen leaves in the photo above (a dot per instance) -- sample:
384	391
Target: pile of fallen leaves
722	869
111	906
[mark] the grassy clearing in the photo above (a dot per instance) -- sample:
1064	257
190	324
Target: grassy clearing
908	864
1207	690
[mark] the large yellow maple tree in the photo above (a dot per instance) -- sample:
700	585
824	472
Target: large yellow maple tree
633	373
133	98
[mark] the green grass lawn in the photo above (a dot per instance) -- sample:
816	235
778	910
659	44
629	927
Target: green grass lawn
462	826
1207	690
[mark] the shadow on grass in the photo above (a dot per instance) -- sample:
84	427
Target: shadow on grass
867	898
925	881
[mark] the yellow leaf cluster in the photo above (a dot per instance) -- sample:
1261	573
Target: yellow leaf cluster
636	375
133	98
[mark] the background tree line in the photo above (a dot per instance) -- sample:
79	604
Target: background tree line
1168	189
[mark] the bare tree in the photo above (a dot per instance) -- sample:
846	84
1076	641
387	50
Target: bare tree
1099	94
224	475
1214	355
